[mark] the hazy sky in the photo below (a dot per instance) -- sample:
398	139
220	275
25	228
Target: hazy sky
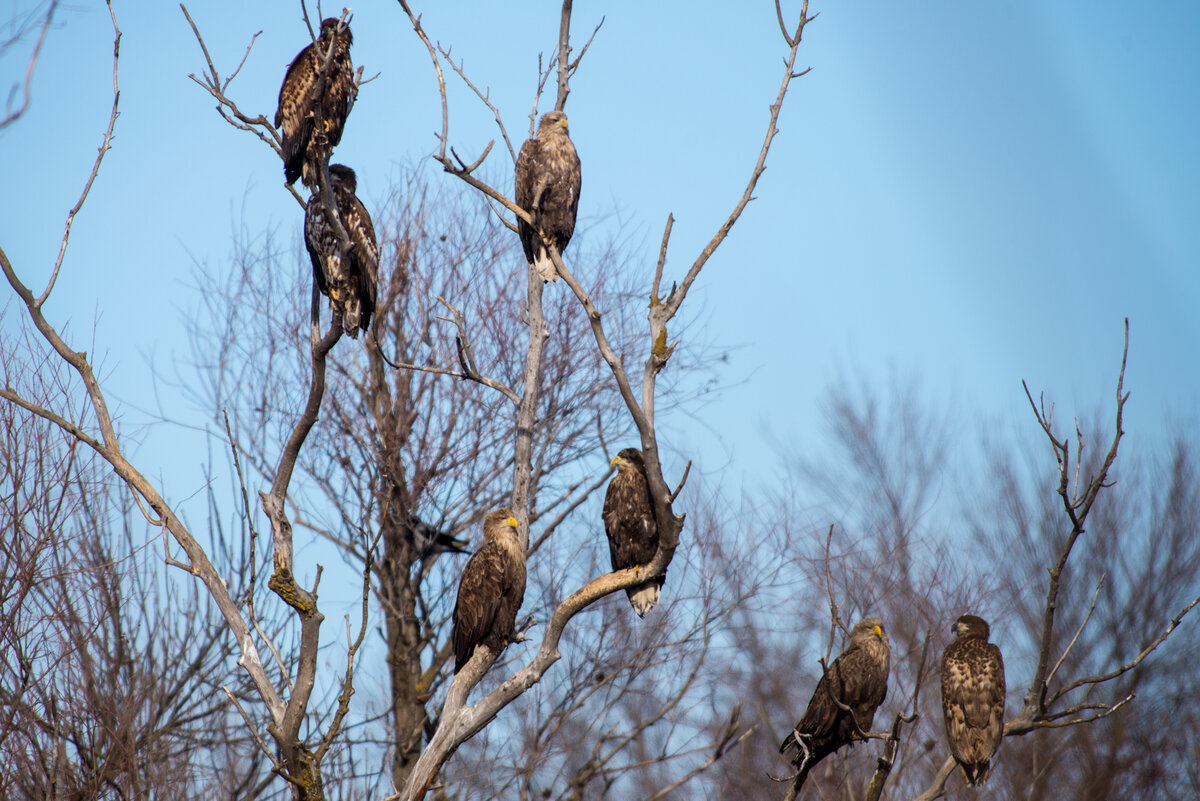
965	193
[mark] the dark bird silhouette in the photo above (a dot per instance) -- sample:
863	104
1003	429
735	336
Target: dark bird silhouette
858	680
491	590
631	525
348	282
547	186
296	115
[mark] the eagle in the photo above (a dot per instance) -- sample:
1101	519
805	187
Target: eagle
296	116
973	696
350	282
631	525
547	187
858	679
491	590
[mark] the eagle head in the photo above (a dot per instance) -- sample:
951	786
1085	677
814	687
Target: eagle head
553	122
629	459
970	626
329	27
344	177
497	522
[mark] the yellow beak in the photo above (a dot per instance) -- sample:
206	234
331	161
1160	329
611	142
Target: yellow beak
512	521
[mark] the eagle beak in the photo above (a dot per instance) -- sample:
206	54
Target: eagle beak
878	631
615	461
512	521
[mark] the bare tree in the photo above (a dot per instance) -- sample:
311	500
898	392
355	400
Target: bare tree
283	684
108	681
392	452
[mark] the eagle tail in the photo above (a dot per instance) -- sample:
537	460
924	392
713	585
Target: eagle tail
545	266
643	598
350	317
977	772
801	756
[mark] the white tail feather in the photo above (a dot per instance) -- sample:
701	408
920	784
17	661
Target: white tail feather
545	266
643	598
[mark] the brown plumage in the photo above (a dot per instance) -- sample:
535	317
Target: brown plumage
349	283
858	679
296	116
631	525
547	186
491	590
973	696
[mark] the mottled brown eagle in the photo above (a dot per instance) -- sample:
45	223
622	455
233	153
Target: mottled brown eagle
491	590
973	696
858	679
631	525
350	282
296	116
547	186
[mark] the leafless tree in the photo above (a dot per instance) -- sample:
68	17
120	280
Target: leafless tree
108	680
280	705
392	452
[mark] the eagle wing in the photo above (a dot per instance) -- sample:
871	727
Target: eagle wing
480	600
629	521
293	117
560	202
527	161
857	682
364	267
320	243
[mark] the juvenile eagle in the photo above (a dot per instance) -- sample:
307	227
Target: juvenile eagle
350	284
548	180
491	590
858	679
973	696
296	116
631	525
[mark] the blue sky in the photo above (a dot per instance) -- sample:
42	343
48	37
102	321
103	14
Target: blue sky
969	194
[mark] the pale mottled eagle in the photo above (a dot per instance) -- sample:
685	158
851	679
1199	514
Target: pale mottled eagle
296	115
631	525
350	282
548	180
491	590
858	679
973	696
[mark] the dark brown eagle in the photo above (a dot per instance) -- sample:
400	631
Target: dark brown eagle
491	590
548	180
858	679
349	283
631	525
297	112
973	696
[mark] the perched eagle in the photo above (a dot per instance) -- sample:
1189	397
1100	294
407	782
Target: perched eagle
296	116
491	590
548	180
631	525
973	696
858	679
350	284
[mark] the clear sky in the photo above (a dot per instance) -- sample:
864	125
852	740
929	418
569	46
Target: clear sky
968	193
